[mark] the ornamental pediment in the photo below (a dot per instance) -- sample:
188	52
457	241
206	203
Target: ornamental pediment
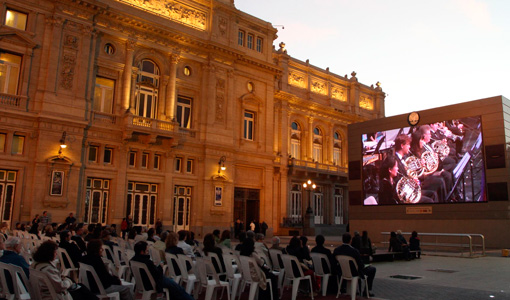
17	38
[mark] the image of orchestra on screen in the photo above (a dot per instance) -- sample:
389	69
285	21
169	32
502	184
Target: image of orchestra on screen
440	162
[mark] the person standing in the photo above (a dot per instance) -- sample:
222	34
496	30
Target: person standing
45	219
124	227
70	219
34	226
264	227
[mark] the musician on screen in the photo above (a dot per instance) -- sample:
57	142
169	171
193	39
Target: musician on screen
388	181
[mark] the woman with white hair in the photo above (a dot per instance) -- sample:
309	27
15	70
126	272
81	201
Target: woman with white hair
12	254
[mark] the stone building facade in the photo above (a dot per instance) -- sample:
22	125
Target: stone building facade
175	110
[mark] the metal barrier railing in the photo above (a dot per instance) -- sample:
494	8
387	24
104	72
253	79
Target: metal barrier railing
437	236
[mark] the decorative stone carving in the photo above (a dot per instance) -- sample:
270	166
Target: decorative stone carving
319	87
67	71
297	79
338	93
174	11
222	25
366	103
220	99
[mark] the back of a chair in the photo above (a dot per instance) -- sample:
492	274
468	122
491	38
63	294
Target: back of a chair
40	282
137	268
108	253
155	255
4	272
318	260
288	262
200	270
211	271
345	264
129	254
184	262
214	258
84	278
65	260
118	256
276	259
22	287
228	259
246	264
173	265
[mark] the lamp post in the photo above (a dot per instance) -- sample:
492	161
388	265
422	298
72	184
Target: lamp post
308	222
309	186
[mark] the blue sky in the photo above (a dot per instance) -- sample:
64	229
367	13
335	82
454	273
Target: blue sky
425	53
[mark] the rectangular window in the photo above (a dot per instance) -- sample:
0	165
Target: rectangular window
2	142
249	41
259	44
93	150
184	112
178	164
240	38
16	19
103	95
189	166
10	66
157	159
145	160
108	155
18	142
132	159
249	120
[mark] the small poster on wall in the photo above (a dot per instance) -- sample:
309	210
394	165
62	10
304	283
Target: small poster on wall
57	183
218	196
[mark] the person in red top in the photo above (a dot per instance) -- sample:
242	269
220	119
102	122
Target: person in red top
124	227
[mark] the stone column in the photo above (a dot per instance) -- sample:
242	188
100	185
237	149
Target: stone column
170	88
309	145
126	80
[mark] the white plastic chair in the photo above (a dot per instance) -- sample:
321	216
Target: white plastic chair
67	266
21	286
318	259
345	264
214	258
233	278
288	261
119	256
136	269
188	276
247	264
40	281
172	263
205	268
84	269
278	269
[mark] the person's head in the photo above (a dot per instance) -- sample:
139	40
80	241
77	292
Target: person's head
225	235
259	237
106	235
44	213
46	252
295	242
132	234
319	240
414	234
216	233
48	228
242	236
91	227
71	215
13	243
356	233
399	232
65	235
79	231
250	235
275	240
182	235
150	232
4	225
171	240
402	143
304	240
138	229
346	238
364	234
163	235
424	131
389	167
140	248
208	242
95	247
248	247
393	234
36	216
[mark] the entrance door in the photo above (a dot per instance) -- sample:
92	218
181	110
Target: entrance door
318	201
246	205
141	203
7	188
182	205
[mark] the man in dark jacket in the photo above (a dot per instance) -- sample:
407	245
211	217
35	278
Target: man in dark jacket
348	250
78	238
142	255
72	249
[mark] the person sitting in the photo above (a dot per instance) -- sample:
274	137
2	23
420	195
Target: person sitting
187	248
356	241
319	248
90	233
216	234
414	243
242	238
405	246
150	235
396	245
142	255
210	247
110	282
348	250
366	247
160	244
171	244
72	249
276	244
49	232
11	254
225	239
295	249
78	238
248	249
261	248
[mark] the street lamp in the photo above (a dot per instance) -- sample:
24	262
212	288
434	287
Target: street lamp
309	186
221	164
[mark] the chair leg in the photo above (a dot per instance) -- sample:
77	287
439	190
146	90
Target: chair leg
324	284
339	287
311	287
235	287
254	287
209	292
295	286
354	288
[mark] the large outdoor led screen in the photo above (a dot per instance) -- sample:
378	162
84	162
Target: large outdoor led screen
440	162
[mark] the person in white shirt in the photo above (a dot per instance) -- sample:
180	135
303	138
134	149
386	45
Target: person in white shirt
188	250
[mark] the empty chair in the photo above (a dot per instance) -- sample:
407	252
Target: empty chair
84	278
188	276
295	275
254	279
205	268
345	264
233	278
137	268
319	260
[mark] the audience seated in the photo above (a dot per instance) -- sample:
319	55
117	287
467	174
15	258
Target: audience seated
225	239
188	249
248	249
78	238
319	248
210	247
72	249
11	254
276	244
414	244
295	249
356	241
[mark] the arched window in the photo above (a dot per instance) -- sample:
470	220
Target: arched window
317	145
337	149
147	89
295	141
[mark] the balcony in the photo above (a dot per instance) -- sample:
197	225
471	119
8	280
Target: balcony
311	166
13	101
104	118
151	127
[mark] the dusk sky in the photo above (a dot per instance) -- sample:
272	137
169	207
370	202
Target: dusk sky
425	53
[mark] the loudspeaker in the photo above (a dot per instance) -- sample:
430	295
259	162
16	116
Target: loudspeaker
495	156
498	191
355	170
